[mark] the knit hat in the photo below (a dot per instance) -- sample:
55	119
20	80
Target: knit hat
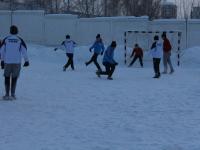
13	30
156	38
67	36
113	44
98	36
164	34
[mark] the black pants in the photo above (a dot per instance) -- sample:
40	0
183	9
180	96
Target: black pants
156	66
94	59
135	58
110	68
70	61
13	85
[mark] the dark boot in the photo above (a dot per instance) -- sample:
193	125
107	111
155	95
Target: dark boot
7	88
7	85
13	87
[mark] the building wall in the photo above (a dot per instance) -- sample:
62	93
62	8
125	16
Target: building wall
57	26
30	24
5	22
35	26
195	13
169	11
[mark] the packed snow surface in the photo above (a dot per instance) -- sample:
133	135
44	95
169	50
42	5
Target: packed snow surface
75	110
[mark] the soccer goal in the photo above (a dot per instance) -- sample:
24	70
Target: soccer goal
145	39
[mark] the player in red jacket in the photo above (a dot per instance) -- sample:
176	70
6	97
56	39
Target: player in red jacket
167	54
138	55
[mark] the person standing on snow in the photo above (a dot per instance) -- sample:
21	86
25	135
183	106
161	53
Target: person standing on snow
167	54
69	47
12	49
98	47
138	54
109	62
156	52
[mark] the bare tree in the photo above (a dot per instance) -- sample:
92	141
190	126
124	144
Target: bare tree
149	8
185	7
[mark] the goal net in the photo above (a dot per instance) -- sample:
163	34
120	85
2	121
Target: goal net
145	39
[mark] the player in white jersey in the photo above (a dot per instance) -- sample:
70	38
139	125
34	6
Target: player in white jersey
156	52
69	46
13	48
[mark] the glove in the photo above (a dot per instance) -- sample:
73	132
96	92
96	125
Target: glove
90	50
2	64
101	53
26	64
55	49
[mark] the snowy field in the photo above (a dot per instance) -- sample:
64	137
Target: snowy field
58	110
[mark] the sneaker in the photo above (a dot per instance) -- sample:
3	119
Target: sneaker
110	78
13	97
64	69
98	73
156	76
172	71
6	97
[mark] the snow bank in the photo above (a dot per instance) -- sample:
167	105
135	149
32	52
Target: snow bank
191	57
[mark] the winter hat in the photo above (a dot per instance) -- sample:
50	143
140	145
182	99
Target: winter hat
67	36
164	34
113	44
136	45
156	38
13	30
98	36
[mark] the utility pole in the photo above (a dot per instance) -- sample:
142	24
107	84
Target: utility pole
56	6
11	15
68	5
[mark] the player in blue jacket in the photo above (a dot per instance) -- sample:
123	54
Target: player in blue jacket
98	47
108	61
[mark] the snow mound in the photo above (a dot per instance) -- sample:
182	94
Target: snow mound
191	57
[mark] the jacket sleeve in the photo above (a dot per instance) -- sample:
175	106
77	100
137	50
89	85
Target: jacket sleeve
110	56
63	43
102	47
153	45
133	52
3	50
74	44
92	46
23	49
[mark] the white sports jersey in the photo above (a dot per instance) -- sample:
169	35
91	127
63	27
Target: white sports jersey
157	51
12	50
69	46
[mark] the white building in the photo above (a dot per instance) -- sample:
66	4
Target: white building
168	10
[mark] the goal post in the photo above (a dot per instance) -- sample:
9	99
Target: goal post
147	33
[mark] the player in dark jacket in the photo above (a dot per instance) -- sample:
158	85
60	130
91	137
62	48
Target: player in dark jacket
109	62
138	55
